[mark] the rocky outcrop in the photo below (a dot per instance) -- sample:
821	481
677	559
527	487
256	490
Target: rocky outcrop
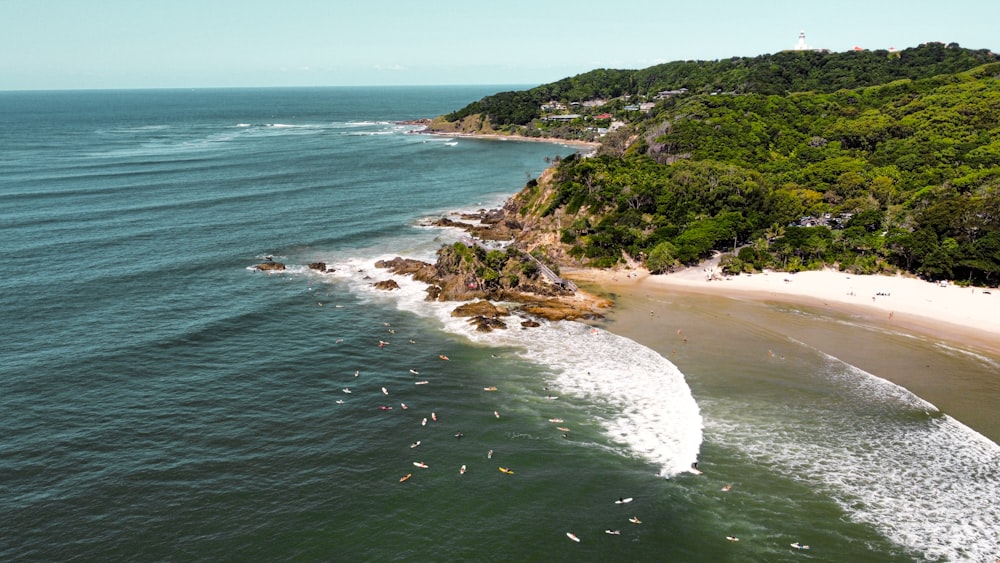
559	310
421	271
487	324
387	285
480	309
321	267
270	266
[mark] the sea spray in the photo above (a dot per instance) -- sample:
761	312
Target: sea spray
886	456
649	410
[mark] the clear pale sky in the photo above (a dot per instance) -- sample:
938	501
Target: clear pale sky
60	44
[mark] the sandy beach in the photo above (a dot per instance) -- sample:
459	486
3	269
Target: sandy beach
961	315
892	336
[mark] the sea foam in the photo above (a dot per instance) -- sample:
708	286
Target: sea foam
647	409
889	458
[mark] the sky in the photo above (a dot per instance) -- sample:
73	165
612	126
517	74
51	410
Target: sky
84	44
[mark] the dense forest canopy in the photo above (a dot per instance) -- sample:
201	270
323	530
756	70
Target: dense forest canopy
779	73
794	167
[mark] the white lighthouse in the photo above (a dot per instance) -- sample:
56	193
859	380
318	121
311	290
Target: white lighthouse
800	45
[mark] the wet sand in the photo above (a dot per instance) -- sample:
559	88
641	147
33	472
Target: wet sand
697	323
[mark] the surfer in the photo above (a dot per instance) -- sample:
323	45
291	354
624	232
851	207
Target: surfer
613	532
459	434
489	454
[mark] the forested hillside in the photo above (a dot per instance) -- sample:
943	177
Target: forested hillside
779	73
902	175
867	160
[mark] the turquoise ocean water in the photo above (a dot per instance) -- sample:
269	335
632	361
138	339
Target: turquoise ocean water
161	400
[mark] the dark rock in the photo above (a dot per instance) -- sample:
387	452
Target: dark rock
270	266
487	324
530	324
421	271
387	285
321	266
433	292
480	309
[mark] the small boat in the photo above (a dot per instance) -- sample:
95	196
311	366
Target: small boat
405	477
506	470
420	464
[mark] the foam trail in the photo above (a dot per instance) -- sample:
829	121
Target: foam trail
650	411
888	457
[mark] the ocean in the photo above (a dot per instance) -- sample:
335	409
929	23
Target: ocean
164	400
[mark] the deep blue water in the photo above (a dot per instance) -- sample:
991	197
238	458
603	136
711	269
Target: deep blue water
163	400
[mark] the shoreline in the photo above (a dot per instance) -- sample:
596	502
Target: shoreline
968	317
897	339
516	138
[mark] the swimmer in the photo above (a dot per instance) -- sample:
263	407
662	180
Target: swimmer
489	454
